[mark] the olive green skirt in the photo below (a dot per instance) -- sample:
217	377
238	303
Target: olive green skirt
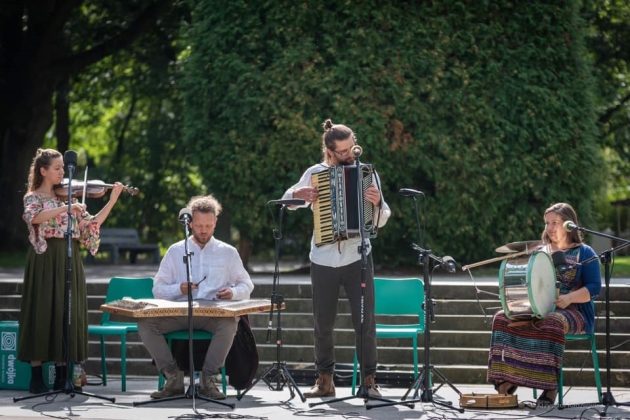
42	306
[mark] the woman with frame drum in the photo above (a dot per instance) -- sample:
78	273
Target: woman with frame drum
529	353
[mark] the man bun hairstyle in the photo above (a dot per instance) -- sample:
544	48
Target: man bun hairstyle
333	133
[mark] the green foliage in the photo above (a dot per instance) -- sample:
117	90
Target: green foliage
487	107
126	118
606	39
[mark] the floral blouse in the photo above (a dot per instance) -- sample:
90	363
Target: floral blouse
84	227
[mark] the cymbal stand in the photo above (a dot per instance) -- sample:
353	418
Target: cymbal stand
277	375
193	390
69	387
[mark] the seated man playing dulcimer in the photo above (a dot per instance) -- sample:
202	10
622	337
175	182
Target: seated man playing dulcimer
217	272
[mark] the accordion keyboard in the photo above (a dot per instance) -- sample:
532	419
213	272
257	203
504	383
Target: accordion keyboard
322	209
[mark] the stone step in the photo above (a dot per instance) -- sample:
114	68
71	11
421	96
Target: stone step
305	320
449	290
460	334
389	353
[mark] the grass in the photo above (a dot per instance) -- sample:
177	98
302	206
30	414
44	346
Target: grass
12	259
621	267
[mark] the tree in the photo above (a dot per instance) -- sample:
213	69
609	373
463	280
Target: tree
43	45
487	108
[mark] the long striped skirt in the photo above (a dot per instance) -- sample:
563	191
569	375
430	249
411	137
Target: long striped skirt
42	307
529	353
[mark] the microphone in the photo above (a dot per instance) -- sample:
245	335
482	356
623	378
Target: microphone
185	215
70	160
569	226
356	150
288	202
449	264
408	192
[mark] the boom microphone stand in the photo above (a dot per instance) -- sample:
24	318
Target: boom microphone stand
425	258
70	159
192	392
277	373
607	398
362	392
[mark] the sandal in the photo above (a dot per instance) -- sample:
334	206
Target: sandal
548	397
511	389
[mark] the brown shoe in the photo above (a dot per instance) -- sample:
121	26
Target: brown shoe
174	386
324	386
208	387
371	387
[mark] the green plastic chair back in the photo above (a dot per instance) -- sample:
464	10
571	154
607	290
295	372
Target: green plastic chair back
399	297
121	287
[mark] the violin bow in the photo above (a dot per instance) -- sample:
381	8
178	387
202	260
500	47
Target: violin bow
84	185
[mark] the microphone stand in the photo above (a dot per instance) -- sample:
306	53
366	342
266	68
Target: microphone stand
607	398
424	379
192	392
276	373
69	387
362	392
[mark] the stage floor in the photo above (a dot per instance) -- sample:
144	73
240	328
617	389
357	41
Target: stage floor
263	403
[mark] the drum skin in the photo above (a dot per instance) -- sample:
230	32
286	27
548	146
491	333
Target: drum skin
527	286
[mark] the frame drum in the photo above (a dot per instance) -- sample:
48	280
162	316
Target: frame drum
527	286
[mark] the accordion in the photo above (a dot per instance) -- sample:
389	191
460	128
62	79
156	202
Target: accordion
336	211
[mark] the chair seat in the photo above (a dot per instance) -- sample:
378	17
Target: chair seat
108	329
397	332
183	335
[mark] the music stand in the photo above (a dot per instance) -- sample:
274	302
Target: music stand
70	158
192	392
362	392
277	373
607	398
425	258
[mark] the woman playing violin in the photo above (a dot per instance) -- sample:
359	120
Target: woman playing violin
530	353
42	306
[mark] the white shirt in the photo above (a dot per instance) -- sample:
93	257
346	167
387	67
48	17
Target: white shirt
217	262
344	252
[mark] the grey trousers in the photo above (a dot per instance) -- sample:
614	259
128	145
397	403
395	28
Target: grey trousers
151	332
326	282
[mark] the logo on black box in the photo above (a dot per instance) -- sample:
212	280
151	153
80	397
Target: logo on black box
9	341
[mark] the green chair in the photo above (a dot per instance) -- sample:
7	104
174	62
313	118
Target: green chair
395	298
118	288
197	335
593	347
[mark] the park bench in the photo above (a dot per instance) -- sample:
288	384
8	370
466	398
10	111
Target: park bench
125	240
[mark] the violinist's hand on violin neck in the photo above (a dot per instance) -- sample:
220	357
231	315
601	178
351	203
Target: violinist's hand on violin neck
117	189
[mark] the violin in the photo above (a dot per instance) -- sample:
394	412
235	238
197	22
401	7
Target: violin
93	189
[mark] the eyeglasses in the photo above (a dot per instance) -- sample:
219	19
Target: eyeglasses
342	153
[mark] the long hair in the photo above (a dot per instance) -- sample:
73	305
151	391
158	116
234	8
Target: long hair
43	159
332	134
566	212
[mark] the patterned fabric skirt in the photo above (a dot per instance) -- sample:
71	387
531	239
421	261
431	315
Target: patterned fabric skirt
529	353
42	306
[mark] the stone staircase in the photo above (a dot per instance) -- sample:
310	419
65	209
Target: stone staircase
460	333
